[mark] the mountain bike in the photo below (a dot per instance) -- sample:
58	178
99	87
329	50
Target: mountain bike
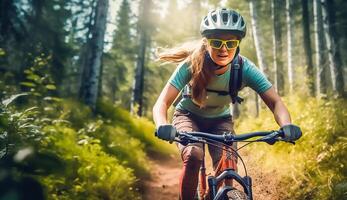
225	192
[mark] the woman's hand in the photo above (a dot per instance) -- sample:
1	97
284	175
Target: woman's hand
291	132
166	132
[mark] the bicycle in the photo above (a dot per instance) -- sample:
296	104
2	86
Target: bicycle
215	193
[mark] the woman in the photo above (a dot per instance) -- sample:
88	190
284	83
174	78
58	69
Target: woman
204	70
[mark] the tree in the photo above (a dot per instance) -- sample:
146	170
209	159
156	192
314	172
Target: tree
78	27
95	46
119	61
257	37
290	44
331	39
277	46
257	42
143	26
318	27
307	46
196	14
31	29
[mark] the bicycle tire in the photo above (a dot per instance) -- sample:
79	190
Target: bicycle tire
236	195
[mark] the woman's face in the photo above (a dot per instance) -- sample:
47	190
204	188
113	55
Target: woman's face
222	56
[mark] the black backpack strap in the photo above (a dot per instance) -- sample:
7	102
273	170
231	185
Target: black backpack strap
236	80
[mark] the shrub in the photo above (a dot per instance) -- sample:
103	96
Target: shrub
137	127
92	174
317	164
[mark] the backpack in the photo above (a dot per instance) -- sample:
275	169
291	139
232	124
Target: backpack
235	83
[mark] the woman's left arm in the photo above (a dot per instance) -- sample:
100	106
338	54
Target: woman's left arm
276	105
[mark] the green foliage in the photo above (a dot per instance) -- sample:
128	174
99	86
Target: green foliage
316	164
129	150
104	157
77	114
17	129
140	128
38	79
92	173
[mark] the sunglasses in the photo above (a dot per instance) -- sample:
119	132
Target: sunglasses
229	44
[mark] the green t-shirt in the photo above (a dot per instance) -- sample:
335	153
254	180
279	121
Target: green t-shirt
218	105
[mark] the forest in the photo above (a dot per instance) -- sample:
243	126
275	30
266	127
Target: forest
79	78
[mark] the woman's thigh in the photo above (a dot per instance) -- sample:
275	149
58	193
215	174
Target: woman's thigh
220	126
183	122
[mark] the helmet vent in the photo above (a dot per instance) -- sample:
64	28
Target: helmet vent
242	22
214	17
225	18
206	21
235	18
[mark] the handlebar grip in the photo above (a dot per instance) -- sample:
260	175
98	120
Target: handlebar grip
166	132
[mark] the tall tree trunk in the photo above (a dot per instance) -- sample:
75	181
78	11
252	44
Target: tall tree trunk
331	39
92	68
196	16
277	47
320	79
307	45
290	40
256	36
137	96
274	47
257	42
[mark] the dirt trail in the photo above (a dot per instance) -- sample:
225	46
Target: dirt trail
164	182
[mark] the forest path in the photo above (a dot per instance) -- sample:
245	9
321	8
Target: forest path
163	184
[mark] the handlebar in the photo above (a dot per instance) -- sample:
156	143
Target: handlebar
269	137
228	138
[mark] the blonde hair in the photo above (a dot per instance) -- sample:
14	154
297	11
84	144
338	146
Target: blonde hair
194	54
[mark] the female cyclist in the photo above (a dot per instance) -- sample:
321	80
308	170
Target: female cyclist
203	72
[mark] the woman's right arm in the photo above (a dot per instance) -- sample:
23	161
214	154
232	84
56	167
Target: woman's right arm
164	101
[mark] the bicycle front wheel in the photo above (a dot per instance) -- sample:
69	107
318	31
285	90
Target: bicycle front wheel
236	195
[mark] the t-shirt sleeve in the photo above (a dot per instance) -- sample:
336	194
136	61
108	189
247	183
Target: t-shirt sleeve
181	76
254	78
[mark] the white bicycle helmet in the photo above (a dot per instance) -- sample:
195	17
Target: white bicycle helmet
223	20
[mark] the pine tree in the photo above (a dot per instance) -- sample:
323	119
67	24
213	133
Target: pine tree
136	106
331	38
89	90
307	45
257	41
318	32
277	47
290	43
119	62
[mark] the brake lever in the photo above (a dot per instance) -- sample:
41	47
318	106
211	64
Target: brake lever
271	138
185	139
280	139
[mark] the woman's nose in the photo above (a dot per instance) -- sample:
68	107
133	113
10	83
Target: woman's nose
223	48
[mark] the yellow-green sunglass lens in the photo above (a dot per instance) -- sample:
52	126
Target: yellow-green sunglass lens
232	44
217	44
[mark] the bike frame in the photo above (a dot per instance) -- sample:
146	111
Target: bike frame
214	181
227	139
226	174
